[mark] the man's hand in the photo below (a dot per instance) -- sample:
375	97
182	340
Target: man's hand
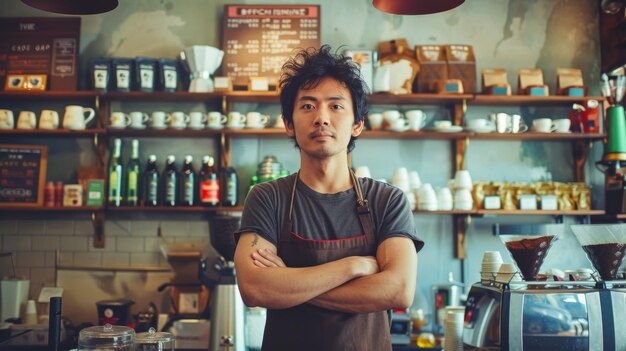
265	258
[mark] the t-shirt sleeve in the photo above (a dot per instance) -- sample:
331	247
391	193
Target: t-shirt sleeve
397	220
260	213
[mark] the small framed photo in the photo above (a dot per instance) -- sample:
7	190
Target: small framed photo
15	82
36	82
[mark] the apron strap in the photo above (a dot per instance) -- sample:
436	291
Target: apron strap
363	210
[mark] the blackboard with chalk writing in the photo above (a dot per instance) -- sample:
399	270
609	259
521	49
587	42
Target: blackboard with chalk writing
22	175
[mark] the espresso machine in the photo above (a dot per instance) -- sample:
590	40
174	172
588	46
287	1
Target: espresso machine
544	312
227	307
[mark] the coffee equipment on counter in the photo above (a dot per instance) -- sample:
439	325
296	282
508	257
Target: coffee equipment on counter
201	62
613	163
547	313
107	337
154	341
444	295
114	312
227	308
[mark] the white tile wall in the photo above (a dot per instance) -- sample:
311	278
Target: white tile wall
38	245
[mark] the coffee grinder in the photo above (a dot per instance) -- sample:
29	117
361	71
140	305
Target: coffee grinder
613	163
227	308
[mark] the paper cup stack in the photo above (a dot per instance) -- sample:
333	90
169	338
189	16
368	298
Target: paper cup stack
453	331
492	260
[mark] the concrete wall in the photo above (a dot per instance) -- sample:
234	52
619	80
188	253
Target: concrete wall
511	34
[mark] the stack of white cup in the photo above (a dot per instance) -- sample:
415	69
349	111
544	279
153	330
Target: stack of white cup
506	273
492	260
400	179
426	198
463	191
453	331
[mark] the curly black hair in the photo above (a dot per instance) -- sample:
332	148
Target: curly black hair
308	67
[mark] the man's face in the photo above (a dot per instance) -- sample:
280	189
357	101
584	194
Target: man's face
323	119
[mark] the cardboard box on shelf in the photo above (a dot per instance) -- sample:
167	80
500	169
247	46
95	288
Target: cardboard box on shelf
494	81
462	65
433	67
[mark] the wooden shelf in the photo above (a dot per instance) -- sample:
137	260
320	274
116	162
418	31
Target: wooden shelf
421	134
159	133
256	133
541	212
537	136
418	99
52	132
51	209
163	96
244	96
173	209
525	100
48	95
451	212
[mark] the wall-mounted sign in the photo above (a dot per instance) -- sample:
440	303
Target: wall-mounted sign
258	39
40	46
22	175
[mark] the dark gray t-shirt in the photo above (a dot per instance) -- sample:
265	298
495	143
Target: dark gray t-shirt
326	216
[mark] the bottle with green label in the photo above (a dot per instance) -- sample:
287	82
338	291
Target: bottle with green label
132	176
151	183
115	174
170	184
187	183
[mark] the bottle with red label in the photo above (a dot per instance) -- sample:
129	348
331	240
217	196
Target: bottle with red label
209	183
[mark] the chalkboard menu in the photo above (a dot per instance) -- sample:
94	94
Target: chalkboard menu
22	175
258	39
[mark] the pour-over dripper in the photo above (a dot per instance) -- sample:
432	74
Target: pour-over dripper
605	245
528	252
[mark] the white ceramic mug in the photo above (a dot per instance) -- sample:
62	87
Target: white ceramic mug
7	121
543	125
236	120
197	120
416	119
119	120
75	118
216	120
26	120
399	125
179	120
49	119
159	120
376	121
256	120
503	122
391	115
562	125
517	125
280	122
138	119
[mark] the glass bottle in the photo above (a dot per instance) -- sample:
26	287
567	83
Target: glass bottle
187	186
229	187
132	176
169	182
209	183
115	174
151	183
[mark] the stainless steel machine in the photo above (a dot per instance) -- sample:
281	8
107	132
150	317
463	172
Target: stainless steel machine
546	313
227	308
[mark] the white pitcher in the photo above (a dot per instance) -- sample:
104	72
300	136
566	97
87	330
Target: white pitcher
75	119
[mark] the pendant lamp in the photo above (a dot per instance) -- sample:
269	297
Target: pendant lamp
73	7
415	7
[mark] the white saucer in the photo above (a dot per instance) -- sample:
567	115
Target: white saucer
136	127
255	127
196	127
480	130
158	127
451	129
234	127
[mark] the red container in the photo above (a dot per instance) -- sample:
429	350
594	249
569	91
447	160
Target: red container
114	312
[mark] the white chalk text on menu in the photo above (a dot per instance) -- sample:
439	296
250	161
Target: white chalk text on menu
258	39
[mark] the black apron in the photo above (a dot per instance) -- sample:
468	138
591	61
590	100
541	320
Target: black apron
308	327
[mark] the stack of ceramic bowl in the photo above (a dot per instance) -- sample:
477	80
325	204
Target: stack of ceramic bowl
427	199
400	179
444	199
492	260
463	191
453	331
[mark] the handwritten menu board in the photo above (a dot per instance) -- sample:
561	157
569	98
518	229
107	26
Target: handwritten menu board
40	45
258	39
22	175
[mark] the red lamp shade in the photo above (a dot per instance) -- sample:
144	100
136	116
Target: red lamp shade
73	7
415	7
